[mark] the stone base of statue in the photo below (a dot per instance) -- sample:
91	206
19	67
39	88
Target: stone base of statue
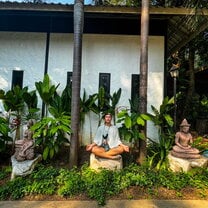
97	163
185	165
185	155
23	168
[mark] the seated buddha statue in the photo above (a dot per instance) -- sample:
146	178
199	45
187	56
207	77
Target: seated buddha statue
24	148
183	141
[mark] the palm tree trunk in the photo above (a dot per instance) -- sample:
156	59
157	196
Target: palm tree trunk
191	81
76	81
143	73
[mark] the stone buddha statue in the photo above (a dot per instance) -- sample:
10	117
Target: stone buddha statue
183	141
24	148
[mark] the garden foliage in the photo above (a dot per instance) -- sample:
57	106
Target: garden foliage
100	185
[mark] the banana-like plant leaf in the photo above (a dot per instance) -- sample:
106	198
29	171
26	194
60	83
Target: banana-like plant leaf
45	153
140	121
128	122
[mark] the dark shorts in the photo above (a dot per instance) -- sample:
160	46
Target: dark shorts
105	146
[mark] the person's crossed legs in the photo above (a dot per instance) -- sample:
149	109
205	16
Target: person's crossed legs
113	153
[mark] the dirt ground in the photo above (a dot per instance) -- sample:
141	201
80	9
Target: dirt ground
135	193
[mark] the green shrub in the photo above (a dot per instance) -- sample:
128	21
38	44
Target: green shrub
42	181
158	150
50	133
174	181
2	174
99	185
4	192
14	189
199	178
4	130
103	184
70	182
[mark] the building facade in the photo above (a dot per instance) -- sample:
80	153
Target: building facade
38	41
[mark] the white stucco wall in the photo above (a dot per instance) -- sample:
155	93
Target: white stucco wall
115	54
21	51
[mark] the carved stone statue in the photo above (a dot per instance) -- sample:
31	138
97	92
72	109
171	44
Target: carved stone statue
183	141
24	148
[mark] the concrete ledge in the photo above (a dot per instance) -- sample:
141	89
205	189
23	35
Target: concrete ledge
109	204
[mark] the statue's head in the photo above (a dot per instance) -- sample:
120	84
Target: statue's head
184	126
185	123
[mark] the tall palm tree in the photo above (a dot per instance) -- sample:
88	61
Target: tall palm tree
76	80
143	72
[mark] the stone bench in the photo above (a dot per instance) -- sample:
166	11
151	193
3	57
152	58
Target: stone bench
185	165
96	163
23	168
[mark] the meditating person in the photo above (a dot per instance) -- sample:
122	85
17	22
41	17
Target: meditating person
24	148
107	143
183	141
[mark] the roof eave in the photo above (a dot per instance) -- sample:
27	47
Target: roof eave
101	9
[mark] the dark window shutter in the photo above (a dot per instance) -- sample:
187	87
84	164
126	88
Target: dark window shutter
17	78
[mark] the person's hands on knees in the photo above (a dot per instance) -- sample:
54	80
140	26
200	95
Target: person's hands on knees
126	148
90	146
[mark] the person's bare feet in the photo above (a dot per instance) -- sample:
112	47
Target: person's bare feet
116	157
